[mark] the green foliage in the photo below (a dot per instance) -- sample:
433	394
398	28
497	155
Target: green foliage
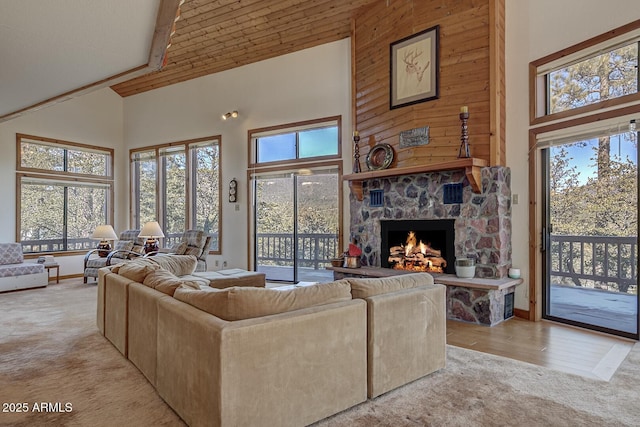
604	205
64	212
609	75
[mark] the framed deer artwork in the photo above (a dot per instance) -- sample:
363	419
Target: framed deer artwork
414	68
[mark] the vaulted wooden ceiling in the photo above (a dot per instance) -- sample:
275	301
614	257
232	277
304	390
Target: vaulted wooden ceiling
217	35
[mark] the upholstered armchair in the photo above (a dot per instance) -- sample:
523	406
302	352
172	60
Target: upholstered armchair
128	246
192	242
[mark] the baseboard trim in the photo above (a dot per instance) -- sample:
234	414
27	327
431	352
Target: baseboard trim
524	314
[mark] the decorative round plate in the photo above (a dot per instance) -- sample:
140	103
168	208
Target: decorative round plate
380	157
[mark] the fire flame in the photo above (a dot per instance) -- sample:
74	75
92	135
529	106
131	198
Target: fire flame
410	262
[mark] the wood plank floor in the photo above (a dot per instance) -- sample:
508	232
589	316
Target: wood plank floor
549	344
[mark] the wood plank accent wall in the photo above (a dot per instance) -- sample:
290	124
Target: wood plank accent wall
471	73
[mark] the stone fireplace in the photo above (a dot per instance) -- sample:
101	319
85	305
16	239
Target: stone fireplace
481	221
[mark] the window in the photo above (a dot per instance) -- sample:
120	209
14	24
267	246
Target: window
296	142
65	191
178	185
598	73
605	76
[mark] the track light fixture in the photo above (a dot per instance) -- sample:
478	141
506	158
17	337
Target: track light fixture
231	114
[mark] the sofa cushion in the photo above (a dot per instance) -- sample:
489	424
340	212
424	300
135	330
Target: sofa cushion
166	282
137	269
368	287
239	303
11	253
232	277
12	270
180	265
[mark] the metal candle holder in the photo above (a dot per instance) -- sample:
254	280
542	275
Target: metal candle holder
464	136
356	152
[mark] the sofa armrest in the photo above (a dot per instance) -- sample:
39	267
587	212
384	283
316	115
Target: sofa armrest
407	336
302	365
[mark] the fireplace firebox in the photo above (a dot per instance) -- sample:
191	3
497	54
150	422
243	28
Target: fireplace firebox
418	245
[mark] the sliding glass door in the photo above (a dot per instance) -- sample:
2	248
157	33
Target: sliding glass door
590	233
275	227
296	219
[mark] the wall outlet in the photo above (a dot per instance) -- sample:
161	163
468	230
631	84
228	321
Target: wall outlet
224	263
514	199
217	263
237	207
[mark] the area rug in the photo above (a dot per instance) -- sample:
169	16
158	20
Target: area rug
58	370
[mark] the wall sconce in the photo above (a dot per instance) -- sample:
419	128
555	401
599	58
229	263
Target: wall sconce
230	114
233	191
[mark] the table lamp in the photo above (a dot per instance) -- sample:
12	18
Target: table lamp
104	233
152	231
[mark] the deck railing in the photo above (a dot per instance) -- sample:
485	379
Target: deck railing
315	250
593	261
57	245
596	261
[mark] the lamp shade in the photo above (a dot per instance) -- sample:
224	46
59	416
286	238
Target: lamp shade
104	232
151	229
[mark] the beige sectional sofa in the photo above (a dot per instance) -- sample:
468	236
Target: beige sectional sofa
255	356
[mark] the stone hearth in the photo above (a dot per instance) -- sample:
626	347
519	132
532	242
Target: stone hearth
482	221
481	301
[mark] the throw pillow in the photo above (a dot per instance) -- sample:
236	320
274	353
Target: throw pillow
138	269
180	265
122	245
179	248
166	282
363	288
193	251
239	303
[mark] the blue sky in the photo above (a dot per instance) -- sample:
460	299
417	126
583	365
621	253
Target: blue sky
584	156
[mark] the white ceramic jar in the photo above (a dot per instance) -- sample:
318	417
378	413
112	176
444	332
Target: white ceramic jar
465	267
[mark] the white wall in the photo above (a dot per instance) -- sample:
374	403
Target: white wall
536	28
94	119
304	85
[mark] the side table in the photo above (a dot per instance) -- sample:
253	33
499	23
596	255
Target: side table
53	265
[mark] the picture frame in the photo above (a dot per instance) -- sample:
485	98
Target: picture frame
414	64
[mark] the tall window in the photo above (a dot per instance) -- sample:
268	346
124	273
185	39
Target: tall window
65	191
178	184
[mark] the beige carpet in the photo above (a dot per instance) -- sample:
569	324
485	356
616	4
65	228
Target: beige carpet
51	352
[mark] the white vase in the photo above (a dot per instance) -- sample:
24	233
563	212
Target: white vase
465	267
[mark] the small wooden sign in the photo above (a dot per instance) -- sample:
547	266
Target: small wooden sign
414	137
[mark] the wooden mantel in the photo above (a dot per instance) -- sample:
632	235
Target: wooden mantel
472	168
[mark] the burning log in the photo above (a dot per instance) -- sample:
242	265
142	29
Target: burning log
438	262
416	256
